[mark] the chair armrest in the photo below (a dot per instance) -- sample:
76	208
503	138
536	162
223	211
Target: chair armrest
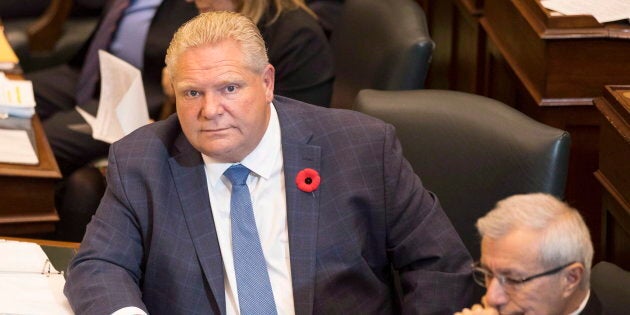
47	29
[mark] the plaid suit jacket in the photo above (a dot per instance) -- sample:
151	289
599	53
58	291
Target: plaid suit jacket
153	244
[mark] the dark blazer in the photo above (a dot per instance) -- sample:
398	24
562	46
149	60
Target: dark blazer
55	90
593	306
299	50
170	15
152	242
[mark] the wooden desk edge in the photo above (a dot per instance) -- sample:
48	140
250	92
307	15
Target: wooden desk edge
72	245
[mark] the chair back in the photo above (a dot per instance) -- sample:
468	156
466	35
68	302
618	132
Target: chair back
611	284
379	44
471	151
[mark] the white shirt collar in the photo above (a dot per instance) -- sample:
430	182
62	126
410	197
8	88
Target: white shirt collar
260	161
583	305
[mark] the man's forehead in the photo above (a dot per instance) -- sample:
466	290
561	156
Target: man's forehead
517	250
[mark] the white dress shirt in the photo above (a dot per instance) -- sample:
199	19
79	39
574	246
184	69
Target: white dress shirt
266	186
583	304
131	35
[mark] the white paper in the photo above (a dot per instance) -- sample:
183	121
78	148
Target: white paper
24	289
16	97
122	104
16	147
602	10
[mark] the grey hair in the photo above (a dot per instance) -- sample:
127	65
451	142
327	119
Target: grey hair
213	27
564	235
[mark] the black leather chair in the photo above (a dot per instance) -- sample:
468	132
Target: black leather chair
611	284
471	151
379	44
45	33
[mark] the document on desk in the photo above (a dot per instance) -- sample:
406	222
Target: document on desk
16	98
602	10
29	284
16	148
122	105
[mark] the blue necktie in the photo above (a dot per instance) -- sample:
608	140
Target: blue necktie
101	40
254	288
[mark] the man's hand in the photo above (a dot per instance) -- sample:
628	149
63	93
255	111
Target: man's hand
477	309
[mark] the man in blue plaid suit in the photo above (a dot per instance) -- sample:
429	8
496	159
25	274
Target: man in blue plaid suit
338	209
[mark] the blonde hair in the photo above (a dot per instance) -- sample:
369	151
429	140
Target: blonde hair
564	235
255	9
214	27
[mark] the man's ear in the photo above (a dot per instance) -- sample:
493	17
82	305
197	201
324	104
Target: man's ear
268	77
571	278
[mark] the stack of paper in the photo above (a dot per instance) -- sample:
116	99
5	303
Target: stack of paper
8	59
16	97
28	282
16	148
602	10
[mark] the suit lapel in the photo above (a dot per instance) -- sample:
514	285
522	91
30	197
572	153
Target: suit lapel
302	208
190	181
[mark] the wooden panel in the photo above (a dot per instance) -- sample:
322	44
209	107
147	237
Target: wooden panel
552	68
459	39
614	173
468	41
27	192
439	19
558	66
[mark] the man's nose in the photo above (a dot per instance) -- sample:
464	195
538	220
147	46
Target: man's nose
495	294
211	106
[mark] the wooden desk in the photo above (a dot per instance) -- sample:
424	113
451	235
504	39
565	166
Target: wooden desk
552	68
70	245
614	174
27	191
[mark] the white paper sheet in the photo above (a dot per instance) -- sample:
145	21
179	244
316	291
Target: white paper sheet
16	147
602	10
24	289
122	104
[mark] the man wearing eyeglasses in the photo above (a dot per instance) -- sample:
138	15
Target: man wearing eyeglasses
536	255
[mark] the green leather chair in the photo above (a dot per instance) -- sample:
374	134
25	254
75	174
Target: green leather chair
379	44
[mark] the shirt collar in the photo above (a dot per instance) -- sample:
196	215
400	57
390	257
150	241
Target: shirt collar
260	161
583	305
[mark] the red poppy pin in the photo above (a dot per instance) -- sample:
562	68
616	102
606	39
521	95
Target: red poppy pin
307	180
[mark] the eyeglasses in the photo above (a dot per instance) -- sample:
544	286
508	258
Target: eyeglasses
483	276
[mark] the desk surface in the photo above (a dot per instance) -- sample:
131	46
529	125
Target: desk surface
28	191
71	245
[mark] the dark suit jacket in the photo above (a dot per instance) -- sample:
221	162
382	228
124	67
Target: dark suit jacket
299	50
170	15
55	90
593	306
153	244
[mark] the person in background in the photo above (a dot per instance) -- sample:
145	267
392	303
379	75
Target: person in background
249	203
536	256
329	13
138	35
297	46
